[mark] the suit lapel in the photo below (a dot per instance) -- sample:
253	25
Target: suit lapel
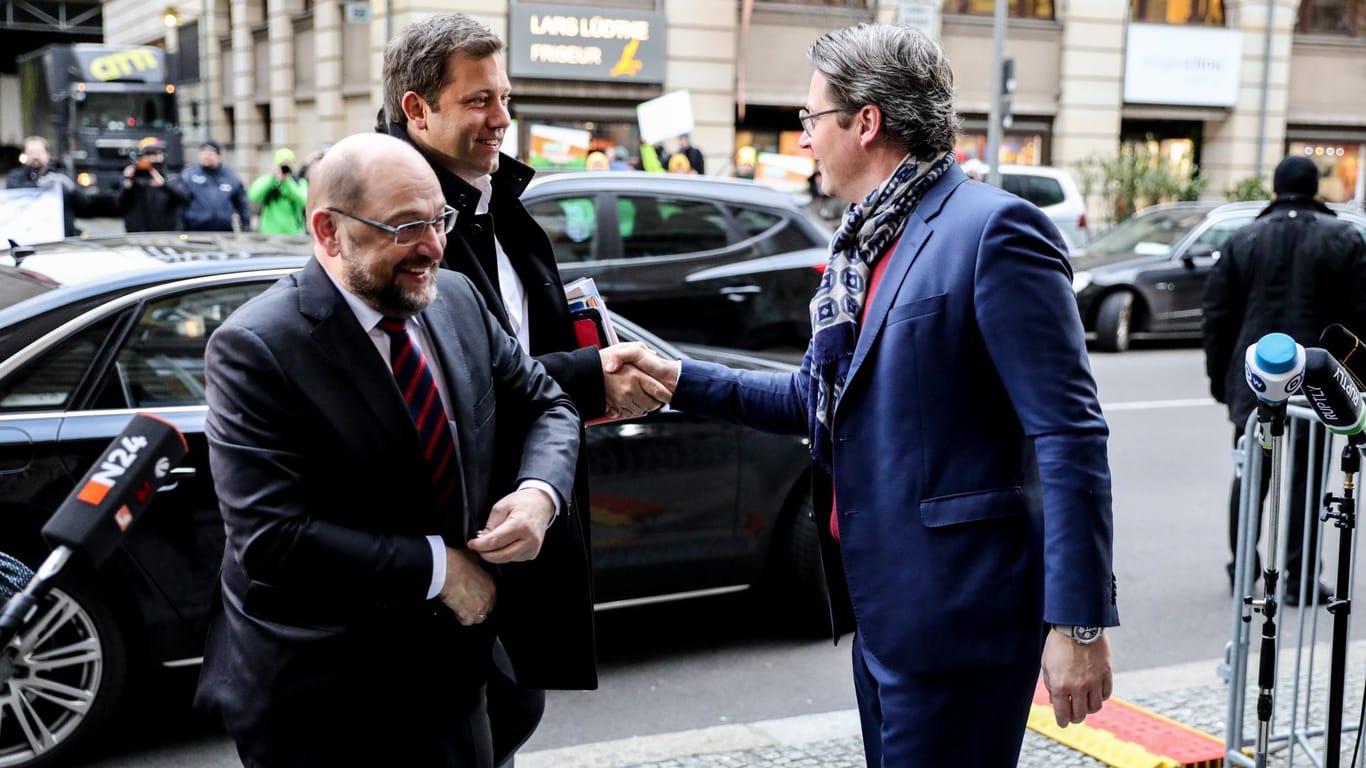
913	239
902	257
345	343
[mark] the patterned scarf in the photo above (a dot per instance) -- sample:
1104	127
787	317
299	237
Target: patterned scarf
868	229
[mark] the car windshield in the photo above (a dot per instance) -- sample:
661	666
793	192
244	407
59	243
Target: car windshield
1152	233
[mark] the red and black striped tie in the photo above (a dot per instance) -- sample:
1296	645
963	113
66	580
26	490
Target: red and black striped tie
415	380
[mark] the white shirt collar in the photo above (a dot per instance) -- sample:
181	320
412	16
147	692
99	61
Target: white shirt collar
485	186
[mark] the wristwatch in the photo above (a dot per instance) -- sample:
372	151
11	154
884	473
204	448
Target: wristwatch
1079	634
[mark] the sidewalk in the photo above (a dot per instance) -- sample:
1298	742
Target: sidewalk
1191	694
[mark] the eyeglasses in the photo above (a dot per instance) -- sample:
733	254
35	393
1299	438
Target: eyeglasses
809	118
412	232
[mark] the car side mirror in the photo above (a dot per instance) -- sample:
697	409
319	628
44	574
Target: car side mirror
1198	251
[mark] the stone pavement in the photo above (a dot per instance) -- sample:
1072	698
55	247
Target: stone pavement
1191	694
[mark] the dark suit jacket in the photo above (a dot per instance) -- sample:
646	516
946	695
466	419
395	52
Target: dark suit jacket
326	643
969	446
563	572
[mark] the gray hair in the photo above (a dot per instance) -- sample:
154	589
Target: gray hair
898	69
417	59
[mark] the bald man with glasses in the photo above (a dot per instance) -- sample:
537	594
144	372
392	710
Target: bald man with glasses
354	409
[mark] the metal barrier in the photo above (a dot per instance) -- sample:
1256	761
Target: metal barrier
1301	734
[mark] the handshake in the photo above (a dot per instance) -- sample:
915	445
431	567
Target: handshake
637	380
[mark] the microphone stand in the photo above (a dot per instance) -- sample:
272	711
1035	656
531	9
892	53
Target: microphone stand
1272	416
1341	605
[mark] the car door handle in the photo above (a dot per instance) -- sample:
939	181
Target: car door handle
177	474
741	292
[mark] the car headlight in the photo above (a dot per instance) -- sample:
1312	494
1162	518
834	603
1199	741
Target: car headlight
1080	281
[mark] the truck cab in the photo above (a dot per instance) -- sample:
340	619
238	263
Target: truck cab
94	103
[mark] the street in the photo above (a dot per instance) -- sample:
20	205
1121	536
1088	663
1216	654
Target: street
691	665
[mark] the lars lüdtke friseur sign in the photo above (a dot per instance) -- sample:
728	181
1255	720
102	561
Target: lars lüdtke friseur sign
572	43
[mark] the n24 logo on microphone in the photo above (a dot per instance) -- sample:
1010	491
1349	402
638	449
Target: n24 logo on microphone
114	466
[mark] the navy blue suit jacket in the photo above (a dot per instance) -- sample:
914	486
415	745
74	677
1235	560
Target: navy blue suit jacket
969	446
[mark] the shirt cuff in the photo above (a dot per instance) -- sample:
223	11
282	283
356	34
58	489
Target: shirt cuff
551	492
438	566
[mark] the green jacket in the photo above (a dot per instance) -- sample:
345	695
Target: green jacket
282	204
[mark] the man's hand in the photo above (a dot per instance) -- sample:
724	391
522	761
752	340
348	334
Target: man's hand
516	527
157	179
469	591
1077	676
665	372
630	391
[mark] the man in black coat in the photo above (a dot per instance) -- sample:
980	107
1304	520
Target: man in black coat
446	92
151	197
1296	269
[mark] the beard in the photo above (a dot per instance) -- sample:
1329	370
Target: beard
383	292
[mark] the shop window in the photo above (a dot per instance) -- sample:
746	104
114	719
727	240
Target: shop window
1016	9
1339	167
1331	17
1209	12
1016	148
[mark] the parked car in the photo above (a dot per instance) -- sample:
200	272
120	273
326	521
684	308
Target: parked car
92	331
1055	192
653	242
1144	278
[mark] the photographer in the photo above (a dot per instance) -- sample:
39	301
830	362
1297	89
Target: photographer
281	196
151	198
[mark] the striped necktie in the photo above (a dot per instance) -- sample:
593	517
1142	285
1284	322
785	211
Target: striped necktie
414	379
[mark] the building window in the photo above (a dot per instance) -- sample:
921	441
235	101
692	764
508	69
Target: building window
1018	9
1339	165
1209	12
1331	17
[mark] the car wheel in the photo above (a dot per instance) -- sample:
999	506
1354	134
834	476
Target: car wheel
796	591
1114	322
60	678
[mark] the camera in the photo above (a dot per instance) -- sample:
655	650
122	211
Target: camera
285	170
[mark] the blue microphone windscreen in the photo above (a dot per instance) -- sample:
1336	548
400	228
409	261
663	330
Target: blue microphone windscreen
1276	353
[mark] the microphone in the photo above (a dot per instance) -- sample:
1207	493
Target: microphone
1274	367
1349	350
104	504
1333	395
117	489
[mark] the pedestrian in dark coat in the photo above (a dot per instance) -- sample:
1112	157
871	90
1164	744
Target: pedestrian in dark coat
1294	270
152	197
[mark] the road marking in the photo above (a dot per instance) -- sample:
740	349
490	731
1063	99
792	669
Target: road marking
1148	405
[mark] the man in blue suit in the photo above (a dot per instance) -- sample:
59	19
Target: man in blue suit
960	470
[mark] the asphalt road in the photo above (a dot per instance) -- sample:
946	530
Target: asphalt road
674	667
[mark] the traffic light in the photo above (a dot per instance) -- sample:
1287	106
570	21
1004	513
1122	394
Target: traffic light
1007	90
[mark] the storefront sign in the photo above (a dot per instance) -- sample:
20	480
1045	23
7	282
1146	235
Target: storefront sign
573	43
1188	66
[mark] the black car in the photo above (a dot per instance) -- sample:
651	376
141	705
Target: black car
93	331
699	259
1144	278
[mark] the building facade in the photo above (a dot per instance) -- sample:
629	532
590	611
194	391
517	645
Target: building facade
1223	88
